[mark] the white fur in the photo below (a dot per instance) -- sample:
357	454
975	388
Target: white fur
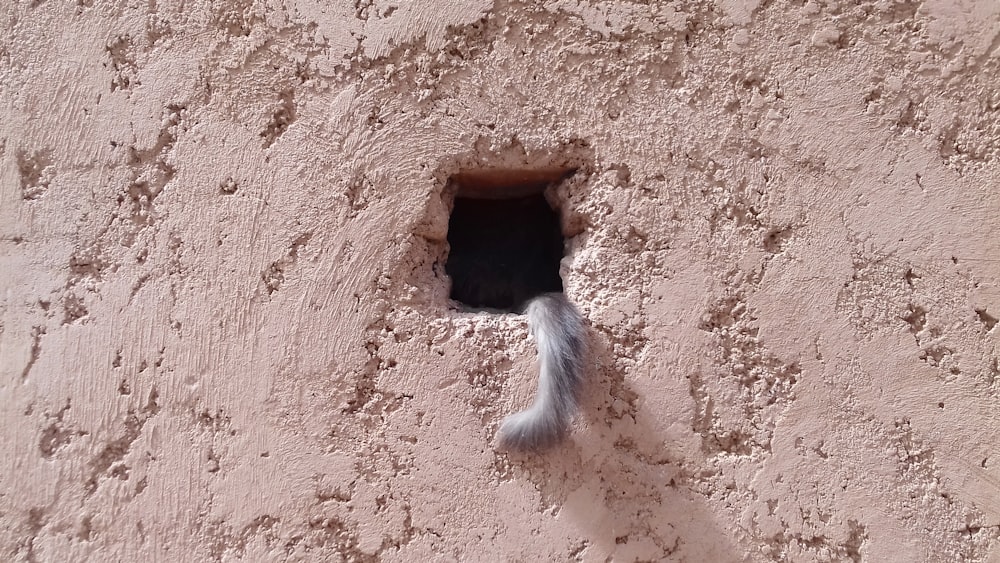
559	331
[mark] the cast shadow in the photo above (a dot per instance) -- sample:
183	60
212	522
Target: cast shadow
630	501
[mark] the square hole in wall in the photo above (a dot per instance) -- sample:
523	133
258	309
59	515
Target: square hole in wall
505	238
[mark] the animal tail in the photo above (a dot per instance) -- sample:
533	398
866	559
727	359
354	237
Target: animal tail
558	329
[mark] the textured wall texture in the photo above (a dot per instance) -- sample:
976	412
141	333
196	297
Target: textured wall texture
224	323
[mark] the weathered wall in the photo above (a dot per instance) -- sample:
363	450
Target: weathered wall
224	335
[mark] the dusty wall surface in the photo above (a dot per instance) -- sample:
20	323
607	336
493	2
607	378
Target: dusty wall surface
225	332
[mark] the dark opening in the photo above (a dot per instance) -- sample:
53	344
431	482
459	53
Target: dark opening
504	237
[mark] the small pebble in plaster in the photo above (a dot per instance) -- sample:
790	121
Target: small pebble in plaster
228	186
558	328
988	320
827	38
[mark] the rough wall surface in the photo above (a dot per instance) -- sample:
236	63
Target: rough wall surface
225	332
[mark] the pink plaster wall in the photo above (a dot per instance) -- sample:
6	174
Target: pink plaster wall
224	335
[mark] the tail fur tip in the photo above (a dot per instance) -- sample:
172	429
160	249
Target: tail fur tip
523	432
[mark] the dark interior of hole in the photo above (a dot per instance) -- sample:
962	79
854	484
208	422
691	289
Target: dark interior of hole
503	251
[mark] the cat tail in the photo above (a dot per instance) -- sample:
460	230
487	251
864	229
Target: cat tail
559	331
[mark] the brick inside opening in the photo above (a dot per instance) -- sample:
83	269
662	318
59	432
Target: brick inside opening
505	238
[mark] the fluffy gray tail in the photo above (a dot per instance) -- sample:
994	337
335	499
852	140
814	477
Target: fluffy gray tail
559	332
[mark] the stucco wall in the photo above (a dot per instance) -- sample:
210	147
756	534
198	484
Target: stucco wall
224	327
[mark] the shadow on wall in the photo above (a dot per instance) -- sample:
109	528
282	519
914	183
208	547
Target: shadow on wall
626	505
